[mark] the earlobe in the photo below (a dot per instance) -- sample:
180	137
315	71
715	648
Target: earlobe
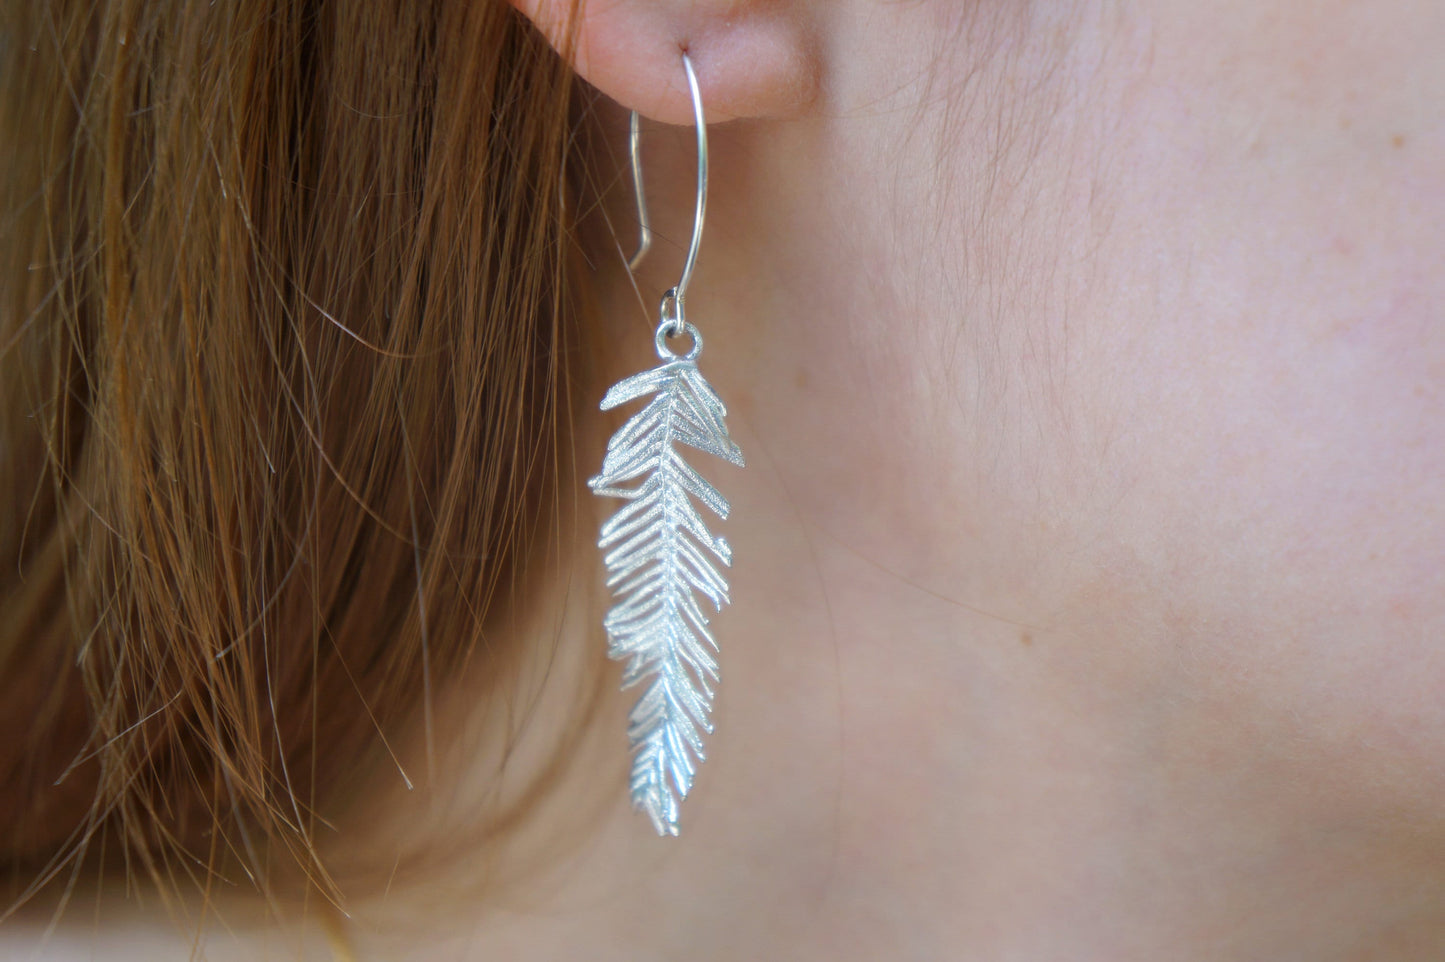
753	59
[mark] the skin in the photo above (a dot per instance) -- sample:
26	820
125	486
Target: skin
1090	583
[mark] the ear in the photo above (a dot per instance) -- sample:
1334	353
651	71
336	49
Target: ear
754	58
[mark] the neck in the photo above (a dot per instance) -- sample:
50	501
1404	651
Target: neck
931	742
897	773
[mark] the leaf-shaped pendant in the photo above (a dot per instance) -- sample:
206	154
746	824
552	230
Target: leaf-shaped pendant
656	564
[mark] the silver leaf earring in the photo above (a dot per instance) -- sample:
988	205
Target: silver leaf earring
658	551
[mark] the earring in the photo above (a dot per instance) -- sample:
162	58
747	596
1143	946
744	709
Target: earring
654	544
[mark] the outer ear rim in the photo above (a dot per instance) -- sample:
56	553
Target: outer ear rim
753	59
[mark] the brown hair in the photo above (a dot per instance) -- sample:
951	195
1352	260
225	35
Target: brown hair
284	299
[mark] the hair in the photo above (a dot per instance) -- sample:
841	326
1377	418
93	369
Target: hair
286	293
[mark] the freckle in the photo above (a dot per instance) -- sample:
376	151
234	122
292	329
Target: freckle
1397	141
1026	639
800	379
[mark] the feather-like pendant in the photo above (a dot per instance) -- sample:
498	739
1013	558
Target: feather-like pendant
659	556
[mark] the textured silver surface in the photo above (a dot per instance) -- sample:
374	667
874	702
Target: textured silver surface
657	566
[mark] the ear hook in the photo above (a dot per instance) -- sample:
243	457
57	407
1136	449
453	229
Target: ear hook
673	319
680	291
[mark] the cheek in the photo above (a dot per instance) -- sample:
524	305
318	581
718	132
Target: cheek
1276	453
1302	476
1318	435
1279	509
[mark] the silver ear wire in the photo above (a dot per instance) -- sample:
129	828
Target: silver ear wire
680	291
673	304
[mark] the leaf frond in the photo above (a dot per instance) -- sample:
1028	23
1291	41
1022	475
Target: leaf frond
656	566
